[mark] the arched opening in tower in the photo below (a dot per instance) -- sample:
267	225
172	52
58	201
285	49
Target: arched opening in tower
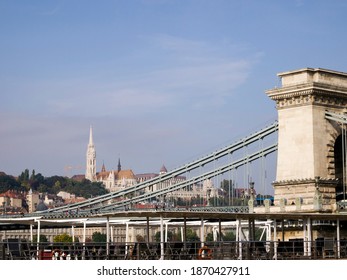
340	167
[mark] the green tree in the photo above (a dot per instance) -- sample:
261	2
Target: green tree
99	237
190	235
24	176
62	238
9	183
32	177
43	238
57	187
209	237
229	236
23	179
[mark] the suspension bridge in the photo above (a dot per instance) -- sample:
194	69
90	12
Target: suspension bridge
309	141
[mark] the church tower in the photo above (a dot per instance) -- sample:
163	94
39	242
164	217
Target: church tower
91	159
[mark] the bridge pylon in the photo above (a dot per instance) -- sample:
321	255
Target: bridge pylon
311	157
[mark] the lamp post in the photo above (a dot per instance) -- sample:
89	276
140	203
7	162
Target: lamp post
251	192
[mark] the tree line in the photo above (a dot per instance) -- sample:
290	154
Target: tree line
51	185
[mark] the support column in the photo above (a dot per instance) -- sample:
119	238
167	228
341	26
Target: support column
185	233
309	237
38	239
147	230
220	230
239	238
338	237
84	239
250	239
73	233
126	239
107	236
31	234
268	236
166	231
161	238
275	239
305	235
202	232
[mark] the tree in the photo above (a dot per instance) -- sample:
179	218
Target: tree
170	236
32	177
209	237
191	235
8	182
24	176
50	185
43	238
99	237
62	238
140	238
229	236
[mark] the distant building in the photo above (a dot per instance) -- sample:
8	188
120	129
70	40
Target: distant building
204	191
156	187
113	180
117	180
32	199
11	198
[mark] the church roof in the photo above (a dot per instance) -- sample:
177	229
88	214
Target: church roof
127	174
118	175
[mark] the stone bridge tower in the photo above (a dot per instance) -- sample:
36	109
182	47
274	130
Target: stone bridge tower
311	147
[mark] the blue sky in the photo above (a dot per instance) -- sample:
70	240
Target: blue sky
160	81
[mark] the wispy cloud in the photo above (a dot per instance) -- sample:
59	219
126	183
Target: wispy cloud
192	74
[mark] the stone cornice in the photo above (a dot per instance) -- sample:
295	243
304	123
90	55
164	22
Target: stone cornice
309	94
307	89
324	181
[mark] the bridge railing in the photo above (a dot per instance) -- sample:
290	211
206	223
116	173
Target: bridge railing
15	249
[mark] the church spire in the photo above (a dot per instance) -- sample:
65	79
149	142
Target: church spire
119	166
91	143
91	158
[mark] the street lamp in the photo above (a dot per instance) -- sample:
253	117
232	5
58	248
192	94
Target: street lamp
251	192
